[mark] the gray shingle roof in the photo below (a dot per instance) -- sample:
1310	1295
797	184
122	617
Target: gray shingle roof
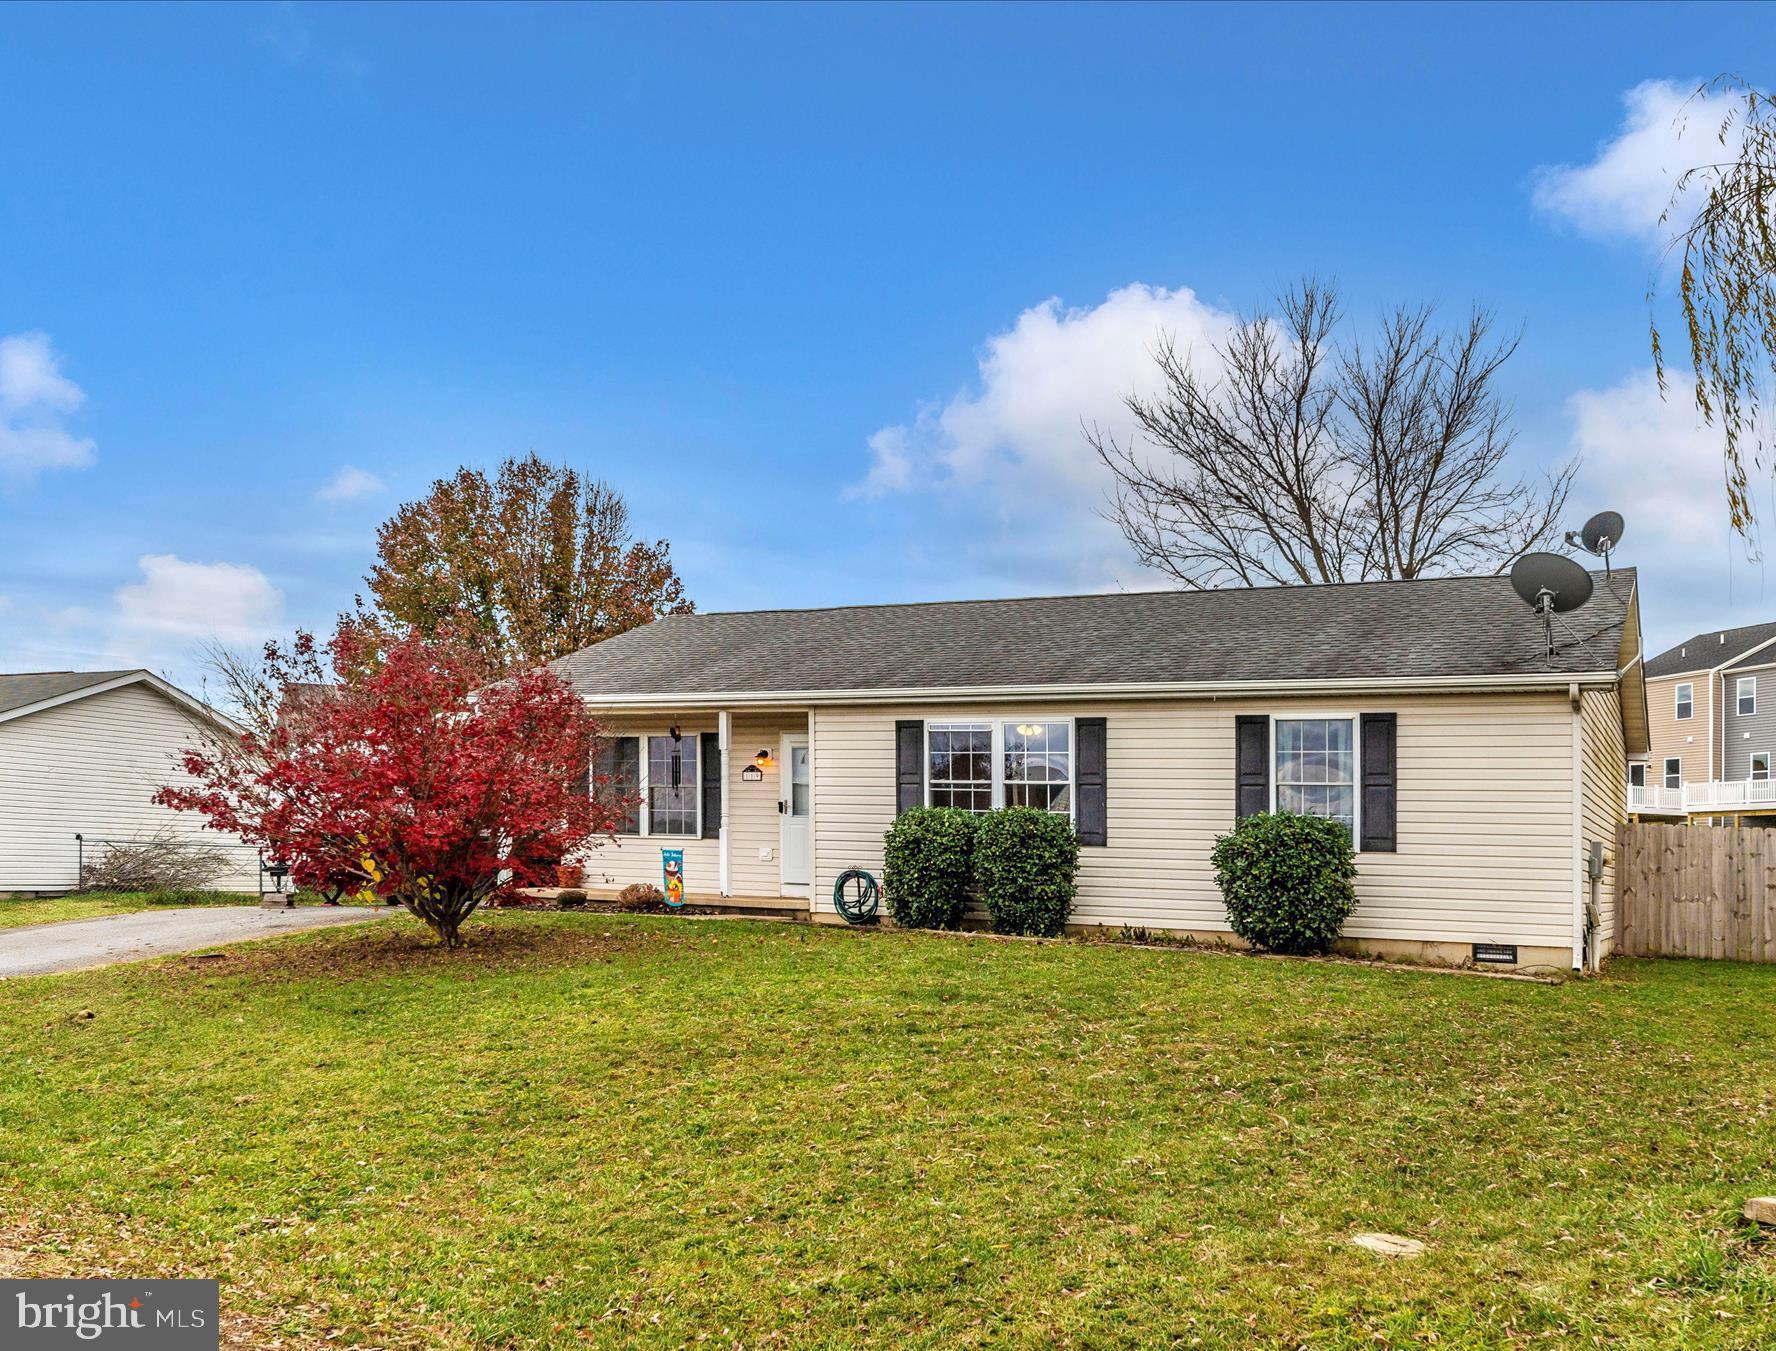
20	691
1716	647
1451	626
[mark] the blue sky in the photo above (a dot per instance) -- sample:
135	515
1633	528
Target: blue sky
826	292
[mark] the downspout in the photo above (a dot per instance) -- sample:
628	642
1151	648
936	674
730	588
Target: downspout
1578	829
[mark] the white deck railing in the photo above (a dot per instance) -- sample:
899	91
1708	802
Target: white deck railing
1738	795
1650	800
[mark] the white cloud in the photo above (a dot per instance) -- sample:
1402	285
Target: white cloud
31	375
35	399
233	602
1652	459
348	483
1665	130
1054	370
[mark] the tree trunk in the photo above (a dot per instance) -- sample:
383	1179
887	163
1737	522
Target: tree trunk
445	910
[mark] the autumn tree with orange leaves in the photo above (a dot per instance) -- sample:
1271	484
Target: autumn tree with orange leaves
539	562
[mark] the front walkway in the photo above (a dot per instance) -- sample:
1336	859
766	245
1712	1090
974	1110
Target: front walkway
76	943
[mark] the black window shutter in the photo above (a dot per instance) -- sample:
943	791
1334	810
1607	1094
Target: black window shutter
1090	808
909	765
1251	765
709	753
1380	775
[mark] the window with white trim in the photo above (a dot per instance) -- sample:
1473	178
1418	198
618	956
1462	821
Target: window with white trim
672	791
1037	765
959	765
1686	701
1673	772
1760	765
1745	695
1316	768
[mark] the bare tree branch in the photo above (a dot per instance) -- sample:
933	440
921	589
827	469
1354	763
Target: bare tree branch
1301	462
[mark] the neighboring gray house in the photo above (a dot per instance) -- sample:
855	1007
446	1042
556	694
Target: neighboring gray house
82	752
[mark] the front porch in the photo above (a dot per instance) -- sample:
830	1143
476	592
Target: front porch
731	791
761	907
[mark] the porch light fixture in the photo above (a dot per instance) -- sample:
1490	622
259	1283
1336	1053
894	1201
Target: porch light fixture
1028	729
756	770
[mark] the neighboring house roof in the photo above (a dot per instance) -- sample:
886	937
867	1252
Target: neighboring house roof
33	687
1366	631
1715	647
33	691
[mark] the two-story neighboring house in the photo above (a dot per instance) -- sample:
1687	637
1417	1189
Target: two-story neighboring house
1711	706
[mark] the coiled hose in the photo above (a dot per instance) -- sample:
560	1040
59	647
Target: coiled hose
859	909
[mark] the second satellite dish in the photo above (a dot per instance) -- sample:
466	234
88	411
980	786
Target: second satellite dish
1602	532
1550	583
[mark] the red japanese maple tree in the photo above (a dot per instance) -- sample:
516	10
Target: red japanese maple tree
431	781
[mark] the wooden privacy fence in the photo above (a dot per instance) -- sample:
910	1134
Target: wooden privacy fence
1696	891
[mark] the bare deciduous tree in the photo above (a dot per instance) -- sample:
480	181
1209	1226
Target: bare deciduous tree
1300	461
1727	281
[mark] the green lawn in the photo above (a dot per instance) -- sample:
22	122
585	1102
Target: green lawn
90	905
620	1131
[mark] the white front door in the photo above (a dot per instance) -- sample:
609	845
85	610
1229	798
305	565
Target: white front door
794	815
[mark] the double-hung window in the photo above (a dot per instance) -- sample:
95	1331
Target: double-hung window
1673	772
652	783
1745	695
672	785
1760	765
1316	768
1014	762
1686	701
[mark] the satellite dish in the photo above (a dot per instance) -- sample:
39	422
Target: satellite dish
1602	532
1550	583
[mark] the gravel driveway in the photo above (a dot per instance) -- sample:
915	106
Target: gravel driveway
76	943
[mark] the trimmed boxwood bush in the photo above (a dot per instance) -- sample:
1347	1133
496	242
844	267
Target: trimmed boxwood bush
928	857
1286	880
1025	861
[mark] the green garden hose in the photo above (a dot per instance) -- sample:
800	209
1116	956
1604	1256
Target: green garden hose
861	908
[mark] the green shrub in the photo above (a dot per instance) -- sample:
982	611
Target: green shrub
1025	861
928	854
1286	880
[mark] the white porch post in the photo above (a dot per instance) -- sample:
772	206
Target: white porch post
813	830
724	736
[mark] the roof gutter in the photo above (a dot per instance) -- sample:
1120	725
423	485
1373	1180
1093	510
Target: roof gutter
1211	689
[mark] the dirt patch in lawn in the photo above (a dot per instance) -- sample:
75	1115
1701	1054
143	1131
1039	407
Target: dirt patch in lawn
404	946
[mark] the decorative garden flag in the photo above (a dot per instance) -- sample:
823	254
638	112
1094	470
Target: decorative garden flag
672	863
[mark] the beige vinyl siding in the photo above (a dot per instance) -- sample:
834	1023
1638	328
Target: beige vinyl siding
1605	771
1485	812
751	808
1687	740
92	765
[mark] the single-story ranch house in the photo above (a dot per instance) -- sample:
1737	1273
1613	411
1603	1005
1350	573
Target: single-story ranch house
1474	770
81	753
